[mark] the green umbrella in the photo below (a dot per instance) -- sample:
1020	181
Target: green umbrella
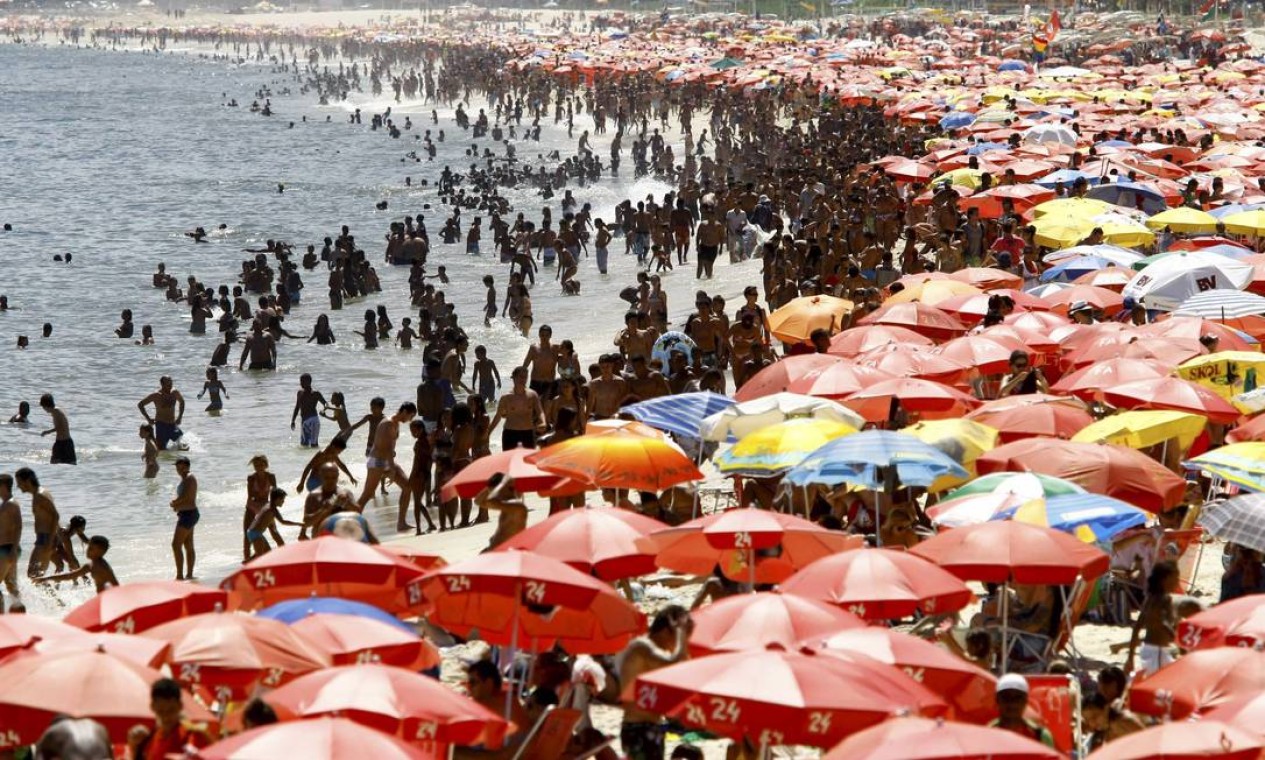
1028	484
726	63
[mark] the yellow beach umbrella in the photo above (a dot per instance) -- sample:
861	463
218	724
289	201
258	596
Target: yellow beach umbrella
776	448
1123	232
1223	372
1183	219
1239	463
795	322
1082	208
1141	429
963	440
932	292
1060	231
964	177
1246	222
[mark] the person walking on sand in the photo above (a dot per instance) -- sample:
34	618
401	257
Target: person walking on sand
168	413
185	505
305	402
381	461
63	444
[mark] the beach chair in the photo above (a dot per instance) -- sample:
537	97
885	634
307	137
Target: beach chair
1057	699
1032	652
549	737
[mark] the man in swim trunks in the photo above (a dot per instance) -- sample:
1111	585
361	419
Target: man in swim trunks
381	461
168	413
63	444
522	413
260	347
47	521
501	497
10	538
542	360
642	731
305	402
711	234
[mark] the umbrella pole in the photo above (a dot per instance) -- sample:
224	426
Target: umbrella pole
1005	626
878	522
509	691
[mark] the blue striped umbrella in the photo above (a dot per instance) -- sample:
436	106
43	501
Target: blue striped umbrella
866	458
294	610
1091	517
682	414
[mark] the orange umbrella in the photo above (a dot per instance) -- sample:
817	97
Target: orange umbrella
1172	351
1107	469
1198	682
923	739
226	656
18	632
325	566
316	739
149	653
735	541
767	619
932	292
1005	551
932	401
349	640
988	278
112	690
1110	278
1194	328
774	697
777	376
975	308
1247	712
520	596
1033	415
1035	340
919	317
969	690
396	701
1236	623
601	542
474	477
618	459
1107	301
134	607
880	584
858	340
796	321
1185	741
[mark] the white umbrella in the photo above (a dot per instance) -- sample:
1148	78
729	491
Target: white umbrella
1119	256
1064	72
749	416
1051	133
1172	279
1221	304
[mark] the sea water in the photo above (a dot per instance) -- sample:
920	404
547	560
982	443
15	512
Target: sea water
111	156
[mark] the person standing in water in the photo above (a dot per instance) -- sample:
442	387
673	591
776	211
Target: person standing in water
305	402
10	538
63	444
215	387
185	505
381	461
168	413
47	521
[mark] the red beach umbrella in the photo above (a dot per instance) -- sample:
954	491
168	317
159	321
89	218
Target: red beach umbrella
838	380
601	542
924	739
325	566
880	584
1199	681
776	377
1247	713
988	278
225	656
1184	741
348	640
1086	383
474	478
931	400
774	697
1032	416
858	340
396	701
150	653
1236	623
986	353
1007	551
758	621
1102	468
135	607
317	739
913	361
929	321
1172	393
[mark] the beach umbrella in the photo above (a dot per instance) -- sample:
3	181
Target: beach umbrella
1127	344
1102	299
1128	475
681	414
134	607
875	459
670	341
1031	416
908	738
988	354
20	631
1186	740
328	738
1247	713
1067	177
839	380
1236	623
880	584
1240	520
520	597
1221	304
779	447
600	541
756	414
618	459
1027	485
324	566
932	292
110	689
1013	552
1172	393
758	621
1058	231
149	653
1121	257
899	361
1130	195
976	307
1069	270
779	375
1051	133
1144	428
919	317
968	178
962	440
1251	222
512	464
1112	278
1024	196
1183	219
858	340
1199	681
929	399
226	656
957	120
968	689
796	321
297	609
782	698
747	544
1091	517
1167	282
396	701
1087	383
1253	430
909	171
349	639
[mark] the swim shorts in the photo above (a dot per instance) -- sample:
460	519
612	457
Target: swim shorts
310	431
254	535
9	551
511	439
708	252
188	518
374	463
313	482
165	433
42	539
64	452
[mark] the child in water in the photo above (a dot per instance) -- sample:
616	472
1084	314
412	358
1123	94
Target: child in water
266	520
100	570
150	455
336	410
23	415
147	336
371	329
215	387
486	379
